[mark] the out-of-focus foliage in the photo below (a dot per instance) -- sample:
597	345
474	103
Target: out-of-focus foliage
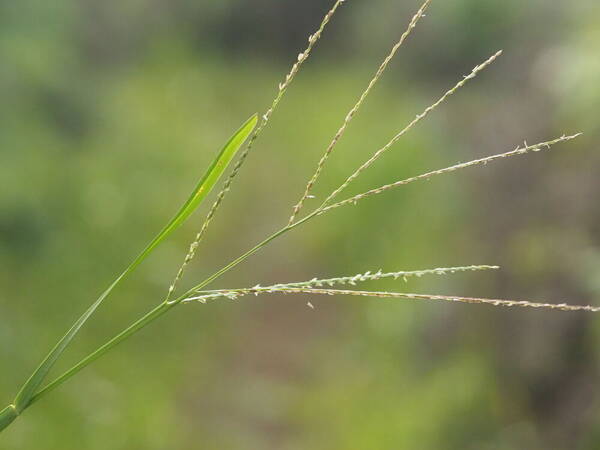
110	111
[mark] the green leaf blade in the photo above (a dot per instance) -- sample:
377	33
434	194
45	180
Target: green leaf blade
203	188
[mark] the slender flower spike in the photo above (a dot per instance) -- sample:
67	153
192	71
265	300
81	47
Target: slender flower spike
408	127
426	176
368	276
352	280
354	110
404	296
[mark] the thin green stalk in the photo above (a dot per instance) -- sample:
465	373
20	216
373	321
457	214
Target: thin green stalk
128	332
243	257
159	311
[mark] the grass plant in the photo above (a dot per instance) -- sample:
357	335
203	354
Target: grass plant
243	140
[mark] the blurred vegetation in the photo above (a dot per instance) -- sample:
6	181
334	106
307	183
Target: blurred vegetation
111	110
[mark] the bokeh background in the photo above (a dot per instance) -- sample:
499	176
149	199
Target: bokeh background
110	111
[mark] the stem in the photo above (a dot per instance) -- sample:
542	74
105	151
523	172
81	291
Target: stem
249	253
159	311
128	332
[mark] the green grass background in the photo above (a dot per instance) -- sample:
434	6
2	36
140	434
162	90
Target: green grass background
110	111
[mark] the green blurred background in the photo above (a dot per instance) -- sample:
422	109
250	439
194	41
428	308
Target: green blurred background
111	110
